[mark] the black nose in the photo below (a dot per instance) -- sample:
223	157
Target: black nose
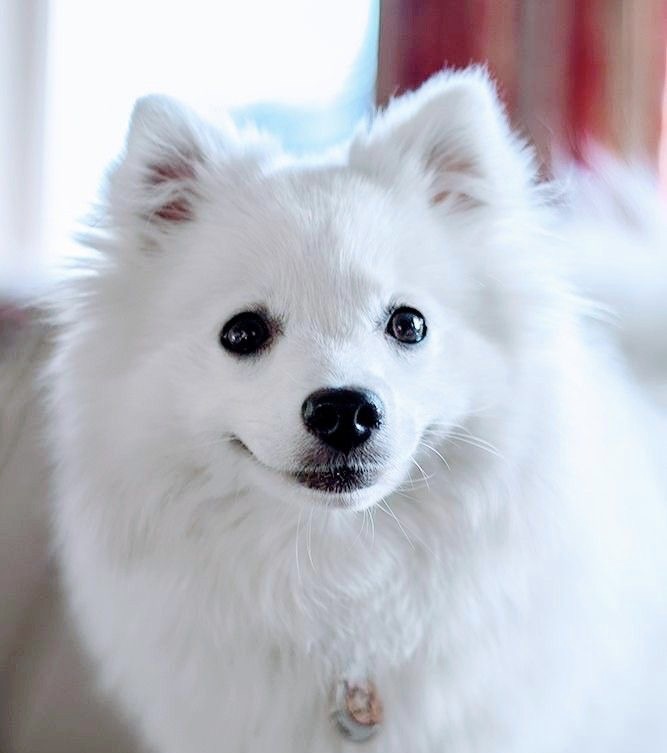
342	418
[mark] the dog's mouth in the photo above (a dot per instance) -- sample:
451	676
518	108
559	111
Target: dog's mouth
336	480
339	478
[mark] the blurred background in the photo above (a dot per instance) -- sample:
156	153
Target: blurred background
572	72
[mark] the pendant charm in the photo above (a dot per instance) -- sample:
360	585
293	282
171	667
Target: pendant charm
358	710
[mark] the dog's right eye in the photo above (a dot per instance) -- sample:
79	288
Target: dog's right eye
245	334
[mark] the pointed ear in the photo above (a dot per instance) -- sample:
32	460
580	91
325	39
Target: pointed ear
157	182
451	139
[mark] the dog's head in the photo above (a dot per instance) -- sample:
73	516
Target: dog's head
316	326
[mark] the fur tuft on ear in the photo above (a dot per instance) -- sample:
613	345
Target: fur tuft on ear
156	185
450	138
173	163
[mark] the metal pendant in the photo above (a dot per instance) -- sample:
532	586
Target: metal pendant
358	710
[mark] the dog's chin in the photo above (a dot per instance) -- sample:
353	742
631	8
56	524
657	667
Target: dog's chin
341	486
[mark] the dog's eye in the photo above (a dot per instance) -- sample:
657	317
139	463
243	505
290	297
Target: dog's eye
245	333
407	325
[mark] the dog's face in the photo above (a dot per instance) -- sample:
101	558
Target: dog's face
323	350
318	327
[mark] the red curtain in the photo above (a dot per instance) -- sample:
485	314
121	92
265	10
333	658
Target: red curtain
571	71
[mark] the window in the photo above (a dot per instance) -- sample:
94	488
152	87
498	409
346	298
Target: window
304	69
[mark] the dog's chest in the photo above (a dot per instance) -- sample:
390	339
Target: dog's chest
283	704
339	674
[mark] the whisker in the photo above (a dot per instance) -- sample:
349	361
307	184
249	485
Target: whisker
460	433
360	532
384	506
435	452
474	443
296	547
309	541
459	428
411	485
407	531
209	443
405	496
423	473
371	517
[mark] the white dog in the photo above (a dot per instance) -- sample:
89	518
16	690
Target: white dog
341	457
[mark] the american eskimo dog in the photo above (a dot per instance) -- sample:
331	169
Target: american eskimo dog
342	460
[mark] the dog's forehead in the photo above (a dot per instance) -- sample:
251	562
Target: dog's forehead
335	221
322	245
337	256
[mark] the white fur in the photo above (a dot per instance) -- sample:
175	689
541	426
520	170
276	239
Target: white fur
505	591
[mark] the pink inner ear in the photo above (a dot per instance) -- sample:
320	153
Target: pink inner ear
175	211
440	197
451	165
179	208
164	173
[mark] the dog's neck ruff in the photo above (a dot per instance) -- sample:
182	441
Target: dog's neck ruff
358	710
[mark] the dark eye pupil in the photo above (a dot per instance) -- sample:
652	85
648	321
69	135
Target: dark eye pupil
245	333
407	326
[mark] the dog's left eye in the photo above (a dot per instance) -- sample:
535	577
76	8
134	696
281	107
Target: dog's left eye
407	325
245	333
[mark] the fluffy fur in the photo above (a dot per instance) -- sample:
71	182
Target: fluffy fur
503	581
